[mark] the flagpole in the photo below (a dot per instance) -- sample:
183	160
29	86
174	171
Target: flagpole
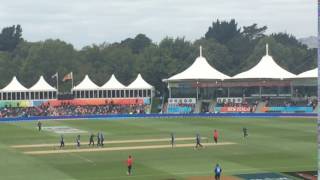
57	81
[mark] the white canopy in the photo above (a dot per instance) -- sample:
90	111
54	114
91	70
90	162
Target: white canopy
199	70
14	86
309	74
139	83
267	68
112	83
42	85
86	84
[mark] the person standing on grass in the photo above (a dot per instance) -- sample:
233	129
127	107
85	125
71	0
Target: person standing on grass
172	140
39	125
245	132
215	136
98	139
61	142
217	172
101	139
198	141
129	164
78	141
91	141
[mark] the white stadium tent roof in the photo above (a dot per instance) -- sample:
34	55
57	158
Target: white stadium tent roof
14	86
139	83
313	73
42	85
267	68
199	70
86	84
112	83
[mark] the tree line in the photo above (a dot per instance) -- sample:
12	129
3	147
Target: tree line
227	47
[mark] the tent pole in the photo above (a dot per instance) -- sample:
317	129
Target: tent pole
197	90
57	81
169	90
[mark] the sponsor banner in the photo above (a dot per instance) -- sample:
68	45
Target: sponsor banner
235	109
229	100
182	100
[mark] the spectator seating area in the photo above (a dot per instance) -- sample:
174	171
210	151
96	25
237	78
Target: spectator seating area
71	110
290	105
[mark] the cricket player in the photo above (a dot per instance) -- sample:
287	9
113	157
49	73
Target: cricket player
172	140
217	172
98	139
101	139
245	132
61	142
78	141
39	125
198	141
91	141
129	164
215	136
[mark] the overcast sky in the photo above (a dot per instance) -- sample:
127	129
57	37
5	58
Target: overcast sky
84	22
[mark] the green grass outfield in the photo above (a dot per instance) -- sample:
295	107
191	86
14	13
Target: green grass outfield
273	145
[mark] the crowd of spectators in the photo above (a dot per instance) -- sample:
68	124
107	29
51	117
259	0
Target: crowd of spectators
291	103
69	110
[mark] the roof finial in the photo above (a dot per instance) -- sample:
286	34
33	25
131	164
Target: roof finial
267	49
200	51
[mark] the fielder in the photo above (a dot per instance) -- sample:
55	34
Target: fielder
78	141
245	132
39	125
91	141
61	142
172	140
198	141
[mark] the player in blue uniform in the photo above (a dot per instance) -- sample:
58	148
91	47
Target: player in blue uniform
217	172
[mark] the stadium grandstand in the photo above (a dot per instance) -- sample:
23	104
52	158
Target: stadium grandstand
86	98
201	88
266	87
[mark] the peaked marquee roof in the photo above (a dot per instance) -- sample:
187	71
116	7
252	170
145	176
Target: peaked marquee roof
139	83
199	70
112	83
86	84
267	68
313	73
14	86
42	85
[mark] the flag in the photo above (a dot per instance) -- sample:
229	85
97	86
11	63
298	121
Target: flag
67	77
55	75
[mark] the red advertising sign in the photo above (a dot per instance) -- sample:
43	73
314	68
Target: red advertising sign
235	109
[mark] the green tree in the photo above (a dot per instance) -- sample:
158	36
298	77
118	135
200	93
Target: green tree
10	37
223	31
